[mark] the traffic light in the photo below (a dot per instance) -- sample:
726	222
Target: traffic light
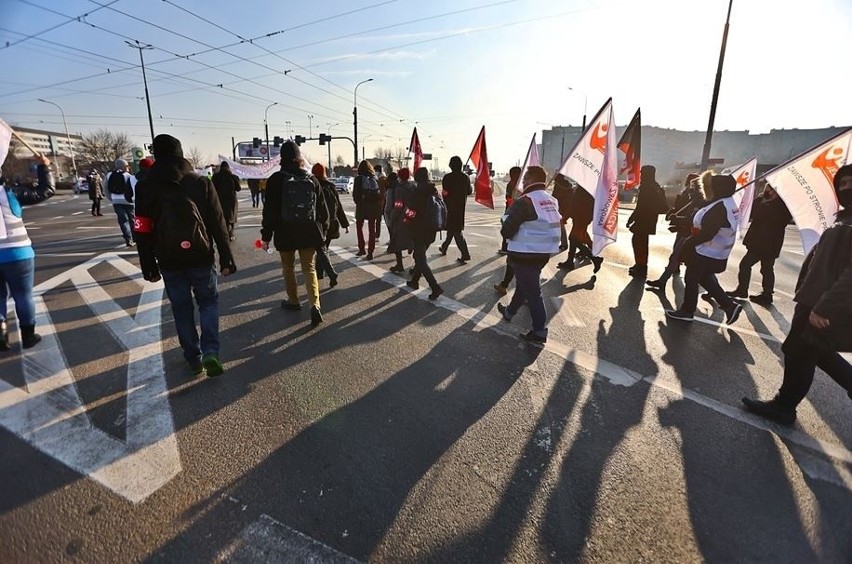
278	141
299	139
323	138
256	142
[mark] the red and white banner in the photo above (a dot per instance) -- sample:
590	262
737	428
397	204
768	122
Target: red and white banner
631	145
744	196
584	162
479	158
245	171
532	159
805	183
5	140
414	147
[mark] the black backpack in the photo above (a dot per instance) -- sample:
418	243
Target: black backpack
182	237
370	193
117	183
298	200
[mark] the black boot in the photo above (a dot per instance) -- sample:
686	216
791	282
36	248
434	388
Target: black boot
660	283
4	337
29	338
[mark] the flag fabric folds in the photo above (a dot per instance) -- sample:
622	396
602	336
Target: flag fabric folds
414	147
805	183
593	164
5	140
744	174
479	158
532	159
631	145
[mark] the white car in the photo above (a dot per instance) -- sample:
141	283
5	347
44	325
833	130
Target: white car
81	187
344	184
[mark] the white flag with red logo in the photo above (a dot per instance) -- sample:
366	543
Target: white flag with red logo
744	196
5	140
531	159
414	147
593	164
805	183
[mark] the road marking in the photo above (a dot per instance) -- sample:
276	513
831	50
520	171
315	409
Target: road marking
66	254
736	328
78	213
50	415
90	227
483	235
612	372
57	217
267	540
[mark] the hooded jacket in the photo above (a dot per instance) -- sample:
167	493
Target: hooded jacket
227	185
292	236
456	188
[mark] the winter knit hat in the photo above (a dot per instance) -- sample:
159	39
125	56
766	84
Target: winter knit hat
146	163
225	165
404	174
318	170
290	151
167	147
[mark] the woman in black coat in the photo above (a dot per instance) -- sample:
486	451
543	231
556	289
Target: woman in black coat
422	230
368	207
650	203
398	198
456	189
227	185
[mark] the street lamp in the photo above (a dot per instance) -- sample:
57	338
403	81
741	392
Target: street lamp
310	125
266	127
355	116
67	139
145	81
585	104
289	125
328	141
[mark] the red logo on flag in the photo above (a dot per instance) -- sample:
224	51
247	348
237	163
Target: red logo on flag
829	165
597	141
742	179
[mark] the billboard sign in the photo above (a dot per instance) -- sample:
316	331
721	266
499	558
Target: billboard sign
248	151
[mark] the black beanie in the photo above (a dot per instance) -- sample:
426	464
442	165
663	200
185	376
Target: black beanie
225	165
290	151
723	185
167	147
845	170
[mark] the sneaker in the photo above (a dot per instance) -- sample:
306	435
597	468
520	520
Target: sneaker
598	261
413	285
708	298
638	270
369	256
332	280
212	365
501	289
360	254
771	410
502	252
291	306
733	313
534	337
130	244
761	299
737	293
679	315
462	260
443	251
196	367
397	269
565	265
504	312
316	316
657	284
435	293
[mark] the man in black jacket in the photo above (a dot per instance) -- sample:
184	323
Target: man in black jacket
178	218
227	185
456	188
765	237
822	302
650	203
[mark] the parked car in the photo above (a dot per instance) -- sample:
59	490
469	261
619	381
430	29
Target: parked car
344	184
82	186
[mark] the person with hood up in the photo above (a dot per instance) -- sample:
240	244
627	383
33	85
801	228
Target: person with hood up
822	304
532	229
399	197
295	218
708	248
422	228
178	220
227	185
336	219
650	203
367	195
456	188
17	257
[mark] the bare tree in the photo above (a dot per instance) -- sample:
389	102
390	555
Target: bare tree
101	148
196	157
339	160
383	153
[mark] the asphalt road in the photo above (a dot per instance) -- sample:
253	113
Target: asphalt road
405	430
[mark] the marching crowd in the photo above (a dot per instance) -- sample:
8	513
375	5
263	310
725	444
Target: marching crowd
179	221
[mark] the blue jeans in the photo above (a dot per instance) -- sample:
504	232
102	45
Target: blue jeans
124	212
180	285
17	278
528	290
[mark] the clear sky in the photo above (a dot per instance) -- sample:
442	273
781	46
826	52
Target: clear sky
446	66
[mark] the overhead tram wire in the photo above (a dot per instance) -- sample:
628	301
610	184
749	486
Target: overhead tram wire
42	32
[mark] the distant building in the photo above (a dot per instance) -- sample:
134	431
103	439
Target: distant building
676	153
50	143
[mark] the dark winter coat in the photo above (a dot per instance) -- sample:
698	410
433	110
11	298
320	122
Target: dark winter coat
364	209
336	214
27	195
563	191
149	204
419	224
399	197
765	236
650	203
456	188
686	204
288	236
96	187
227	185
825	281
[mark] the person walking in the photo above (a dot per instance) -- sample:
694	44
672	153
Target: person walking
680	222
254	188
581	211
295	219
532	230
456	188
179	225
144	167
763	242
400	197
337	218
650	203
563	191
368	208
382	179
96	191
707	250
227	185
822	305
511	189
17	257
420	216
120	185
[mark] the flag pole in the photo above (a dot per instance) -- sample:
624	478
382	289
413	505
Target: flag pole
27	145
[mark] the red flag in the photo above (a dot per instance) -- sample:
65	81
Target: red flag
631	146
479	158
414	147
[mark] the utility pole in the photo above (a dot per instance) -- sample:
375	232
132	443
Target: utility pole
705	155
355	117
266	128
145	81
